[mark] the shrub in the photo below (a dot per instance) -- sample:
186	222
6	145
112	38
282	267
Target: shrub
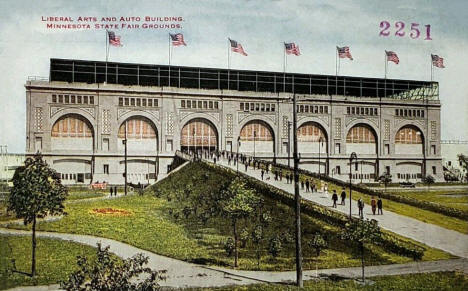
229	246
243	237
274	246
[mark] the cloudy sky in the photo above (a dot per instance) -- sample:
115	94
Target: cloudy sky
26	45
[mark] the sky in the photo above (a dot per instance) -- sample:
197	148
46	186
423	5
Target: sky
261	26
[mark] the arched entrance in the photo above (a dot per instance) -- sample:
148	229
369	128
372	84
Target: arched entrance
312	139
361	139
142	149
199	135
72	132
409	141
256	138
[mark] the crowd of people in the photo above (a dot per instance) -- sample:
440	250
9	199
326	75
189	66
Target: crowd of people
307	184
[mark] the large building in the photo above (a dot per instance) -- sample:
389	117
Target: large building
79	116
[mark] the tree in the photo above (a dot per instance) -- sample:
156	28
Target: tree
318	243
240	205
428	180
106	273
275	246
386	179
463	160
257	237
37	192
362	231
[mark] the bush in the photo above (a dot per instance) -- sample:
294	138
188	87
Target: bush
275	246
229	246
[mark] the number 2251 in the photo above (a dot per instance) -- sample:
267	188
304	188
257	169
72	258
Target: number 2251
400	30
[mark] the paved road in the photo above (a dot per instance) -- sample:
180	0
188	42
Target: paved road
453	242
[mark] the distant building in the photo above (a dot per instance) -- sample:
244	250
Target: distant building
450	149
80	115
9	162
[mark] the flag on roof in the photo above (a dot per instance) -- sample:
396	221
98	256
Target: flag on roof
237	47
437	61
343	52
177	39
292	49
114	39
392	57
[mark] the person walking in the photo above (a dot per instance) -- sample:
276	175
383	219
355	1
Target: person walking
379	206
302	184
334	198
281	175
343	196
307	185
246	166
111	191
373	205
263	173
361	208
115	191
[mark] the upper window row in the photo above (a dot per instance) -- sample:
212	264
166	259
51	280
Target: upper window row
247	106
356	110
200	104
140	102
72	99
409	112
312	109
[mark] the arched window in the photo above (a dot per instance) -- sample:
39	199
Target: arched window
256	130
310	132
200	133
71	126
137	128
408	135
360	134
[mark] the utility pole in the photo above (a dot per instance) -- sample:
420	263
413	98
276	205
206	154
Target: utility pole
125	144
352	157
255	136
297	198
289	143
237	156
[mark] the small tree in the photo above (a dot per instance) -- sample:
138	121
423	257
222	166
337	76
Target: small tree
37	192
362	231
107	273
318	243
244	237
386	179
275	246
240	205
257	237
428	180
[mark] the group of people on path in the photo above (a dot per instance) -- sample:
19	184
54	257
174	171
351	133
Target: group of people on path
307	184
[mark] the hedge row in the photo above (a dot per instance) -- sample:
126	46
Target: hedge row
388	241
431	206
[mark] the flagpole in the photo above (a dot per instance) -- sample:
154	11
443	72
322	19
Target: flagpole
107	52
229	61
336	71
169	54
386	63
432	69
285	59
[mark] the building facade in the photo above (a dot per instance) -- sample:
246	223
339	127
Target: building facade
79	117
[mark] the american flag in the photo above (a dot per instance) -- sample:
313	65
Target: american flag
392	57
343	52
292	49
177	39
437	61
114	39
237	47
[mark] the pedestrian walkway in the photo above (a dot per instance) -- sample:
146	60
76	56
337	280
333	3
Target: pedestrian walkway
181	274
453	242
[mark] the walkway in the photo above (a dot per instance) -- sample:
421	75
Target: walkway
182	274
453	242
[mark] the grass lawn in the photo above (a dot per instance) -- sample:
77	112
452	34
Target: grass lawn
427	216
411	211
176	224
56	259
450	198
428	282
